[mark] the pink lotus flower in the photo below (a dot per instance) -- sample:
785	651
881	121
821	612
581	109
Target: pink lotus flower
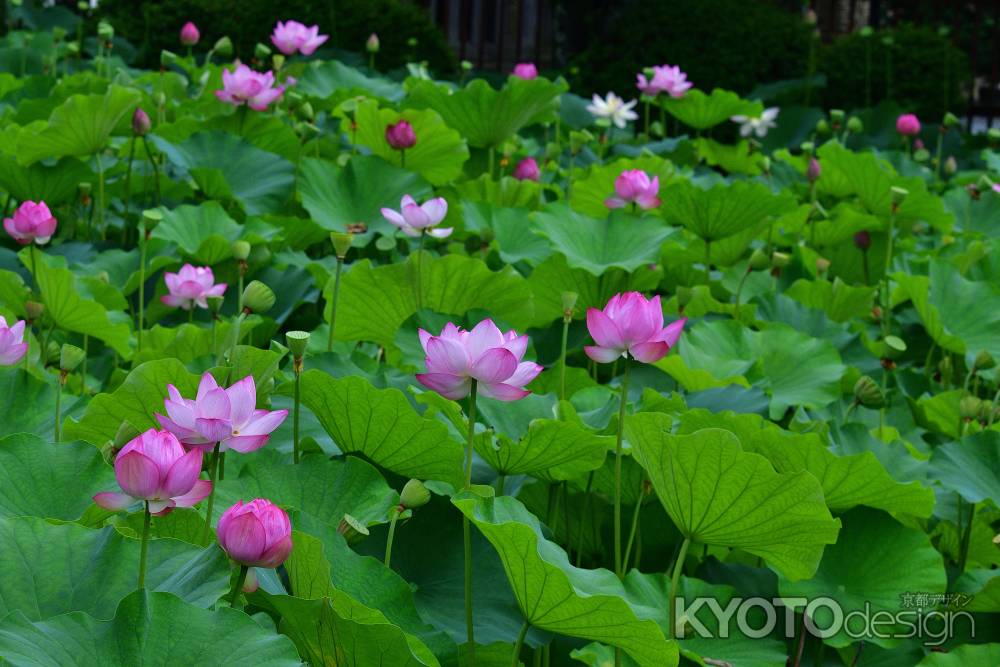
908	125
635	185
631	325
415	219
226	416
400	135
257	534
813	170
245	86
191	286
190	34
12	345
141	124
31	222
525	71
455	358
527	170
292	36
665	79
155	467
996	188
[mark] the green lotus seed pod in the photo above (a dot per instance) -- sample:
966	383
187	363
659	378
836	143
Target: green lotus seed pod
986	409
277	61
759	261
353	530
950	165
868	393
854	125
993	134
215	303
223	46
984	361
414	495
168	58
258	297
569	301
70	356
822	127
52	352
807	147
241	250
84	188
125	434
260	254
151	217
297	342
921	155
837	116
969	407
105	31
34	310
867	31
306	111
951	120
780	260
898	195
341	243
466	66
261	51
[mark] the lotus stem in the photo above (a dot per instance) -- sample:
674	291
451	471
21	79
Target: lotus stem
297	368
59	390
583	517
516	658
674	581
635	526
963	550
213	471
394	515
128	190
562	359
156	169
619	569
142	281
333	303
144	544
416	283
100	193
470	634
241	578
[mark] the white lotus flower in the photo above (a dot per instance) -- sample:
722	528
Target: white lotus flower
614	108
757	126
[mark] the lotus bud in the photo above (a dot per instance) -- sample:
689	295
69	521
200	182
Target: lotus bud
52	352
868	393
297	342
400	135
950	121
353	530
341	243
569	303
255	534
969	407
215	304
813	170
822	265
862	240
414	495
371	46
822	127
950	165
921	155
70	356
34	310
984	361
305	110
241	250
854	125
466	66
258	297
780	260
141	124
759	261
223	47
261	51
189	35
105	31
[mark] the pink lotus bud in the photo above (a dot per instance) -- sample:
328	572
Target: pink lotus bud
257	534
527	170
190	287
813	170
190	34
415	218
292	36
400	135
31	222
908	125
245	86
635	186
862	240
372	45
156	468
12	345
632	325
140	122
525	71
918	144
494	359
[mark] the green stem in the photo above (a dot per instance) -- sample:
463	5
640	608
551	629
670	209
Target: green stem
963	553
470	634
562	359
937	159
663	120
100	193
191	314
156	169
392	534
674	581
619	570
635	526
569	175
213	471
241	578
142	282
34	273
516	658
402	159
333	303
128	190
239	291
708	263
583	517
501	481
62	383
850	409
646	117
144	545
297	363
472	434
416	283
83	368
490	163
739	292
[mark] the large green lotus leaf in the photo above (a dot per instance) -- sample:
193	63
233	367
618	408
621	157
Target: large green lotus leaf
797	369
147	629
486	116
508	191
862	174
618	240
266	132
589	192
967	655
122	266
205	233
438	154
555	596
922	205
738	158
30	404
724	210
875	561
338	196
970	467
841	302
983	587
510	227
72	306
724	348
55	184
381	425
79	126
701	111
52	481
51	569
135	401
376	300
719	495
323	79
226	166
551	449
979	215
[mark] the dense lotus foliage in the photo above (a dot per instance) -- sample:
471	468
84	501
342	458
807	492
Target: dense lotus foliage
307	362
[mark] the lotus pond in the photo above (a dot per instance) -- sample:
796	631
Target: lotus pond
307	362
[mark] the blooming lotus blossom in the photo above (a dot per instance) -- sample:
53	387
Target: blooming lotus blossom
996	188
155	467
190	34
12	345
665	79
494	359
758	126
228	417
632	325
255	534
635	186
292	36
614	108
191	286
525	71
527	170
31	222
245	86
908	125
400	136
415	219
